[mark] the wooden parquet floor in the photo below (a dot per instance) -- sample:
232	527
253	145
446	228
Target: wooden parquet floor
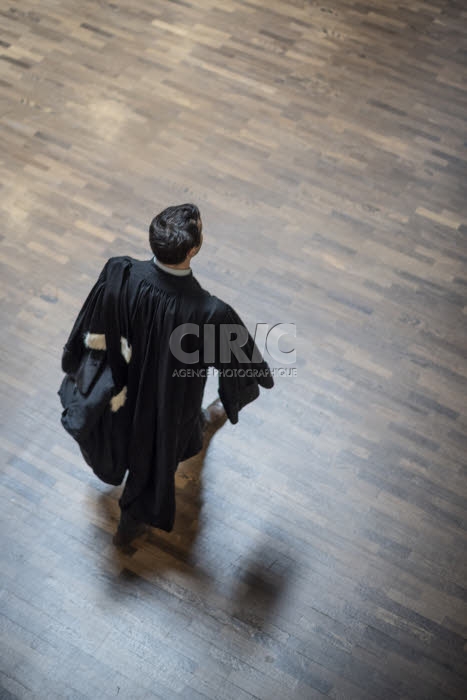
320	548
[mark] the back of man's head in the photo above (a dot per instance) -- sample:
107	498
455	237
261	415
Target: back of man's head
174	232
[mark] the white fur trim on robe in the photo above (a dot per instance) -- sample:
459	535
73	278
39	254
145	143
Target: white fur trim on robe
96	341
118	401
126	349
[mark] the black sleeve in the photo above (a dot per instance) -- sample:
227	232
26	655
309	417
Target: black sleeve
242	370
90	320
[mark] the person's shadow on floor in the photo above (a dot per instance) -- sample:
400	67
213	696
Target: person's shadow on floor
153	558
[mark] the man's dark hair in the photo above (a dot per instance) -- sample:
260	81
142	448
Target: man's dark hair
174	232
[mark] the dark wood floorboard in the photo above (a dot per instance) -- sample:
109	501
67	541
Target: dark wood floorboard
320	546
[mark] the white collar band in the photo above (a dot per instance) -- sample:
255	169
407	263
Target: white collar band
171	270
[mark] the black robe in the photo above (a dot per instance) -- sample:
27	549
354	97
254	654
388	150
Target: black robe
157	420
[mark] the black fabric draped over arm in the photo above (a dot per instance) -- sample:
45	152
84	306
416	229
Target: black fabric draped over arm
102	323
89	319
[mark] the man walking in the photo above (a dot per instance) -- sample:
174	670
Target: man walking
171	332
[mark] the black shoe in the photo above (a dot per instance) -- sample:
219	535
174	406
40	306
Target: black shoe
128	530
